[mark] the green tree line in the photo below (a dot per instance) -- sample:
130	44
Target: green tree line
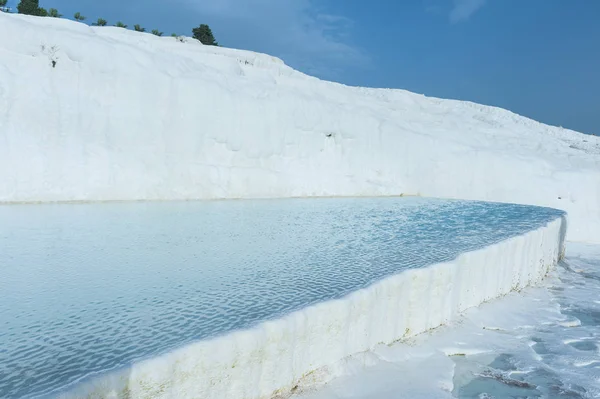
203	33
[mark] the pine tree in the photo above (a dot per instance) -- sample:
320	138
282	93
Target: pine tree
100	22
29	7
42	12
79	17
3	4
53	12
205	35
138	28
157	32
120	25
174	34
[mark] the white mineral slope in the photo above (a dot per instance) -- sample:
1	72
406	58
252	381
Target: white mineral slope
127	116
297	350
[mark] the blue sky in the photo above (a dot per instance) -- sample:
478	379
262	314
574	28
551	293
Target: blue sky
538	58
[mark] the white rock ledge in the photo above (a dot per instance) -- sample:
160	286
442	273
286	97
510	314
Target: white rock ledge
274	357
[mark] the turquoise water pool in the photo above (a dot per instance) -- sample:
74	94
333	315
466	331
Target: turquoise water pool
88	288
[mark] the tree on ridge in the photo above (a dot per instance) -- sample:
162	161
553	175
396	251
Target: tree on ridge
53	12
29	7
100	22
204	34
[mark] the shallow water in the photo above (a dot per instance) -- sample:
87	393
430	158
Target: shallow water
539	343
563	358
88	288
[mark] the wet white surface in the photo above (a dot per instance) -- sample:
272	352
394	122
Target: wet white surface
539	343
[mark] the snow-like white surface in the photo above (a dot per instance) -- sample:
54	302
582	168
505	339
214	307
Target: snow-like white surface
125	115
540	343
242	299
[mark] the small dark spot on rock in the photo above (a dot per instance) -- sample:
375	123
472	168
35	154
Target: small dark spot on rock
53	64
559	197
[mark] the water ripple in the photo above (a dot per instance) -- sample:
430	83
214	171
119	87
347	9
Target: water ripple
89	288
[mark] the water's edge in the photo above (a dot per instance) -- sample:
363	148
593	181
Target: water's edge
274	357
